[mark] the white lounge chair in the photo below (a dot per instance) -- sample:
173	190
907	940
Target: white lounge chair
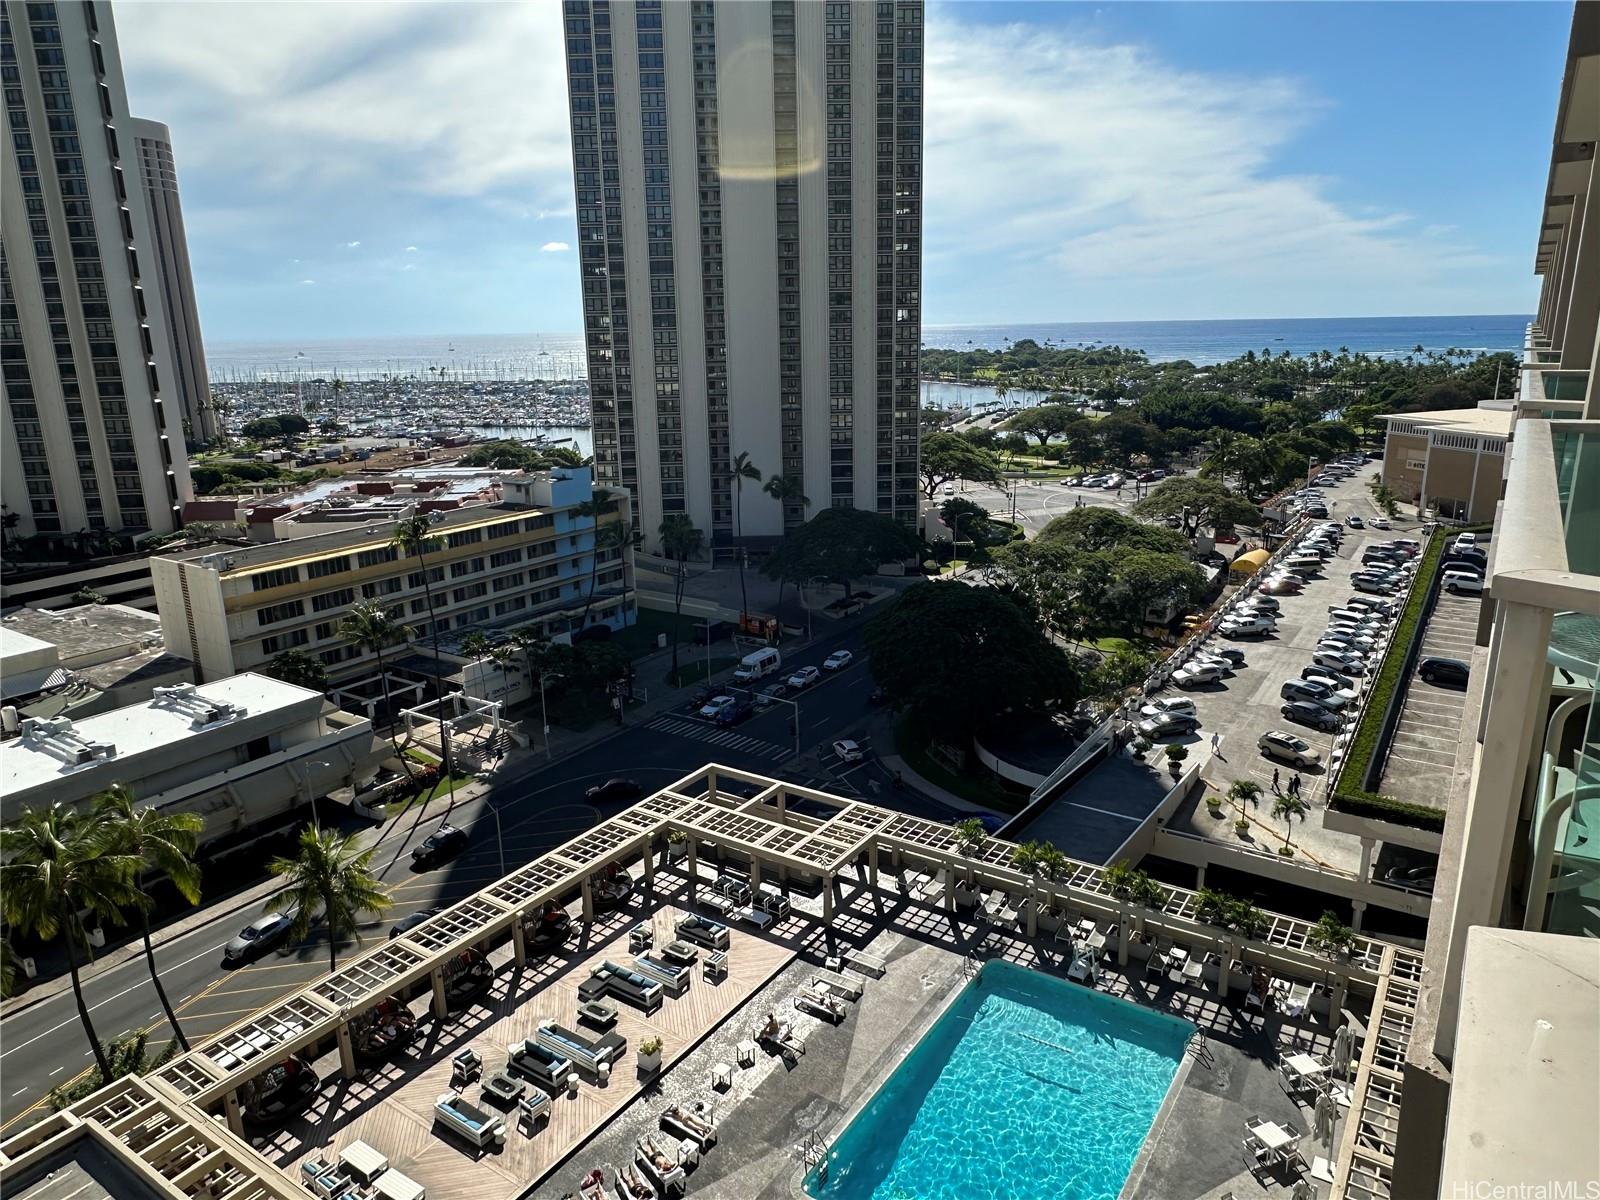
691	1126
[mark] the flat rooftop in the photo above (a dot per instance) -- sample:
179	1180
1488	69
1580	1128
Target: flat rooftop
81	1171
149	727
1495	422
87	630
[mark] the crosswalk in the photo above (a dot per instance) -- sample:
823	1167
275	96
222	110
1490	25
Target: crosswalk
719	737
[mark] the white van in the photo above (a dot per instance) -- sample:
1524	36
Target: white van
758	665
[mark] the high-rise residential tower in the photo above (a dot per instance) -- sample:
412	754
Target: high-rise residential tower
158	176
749	202
93	432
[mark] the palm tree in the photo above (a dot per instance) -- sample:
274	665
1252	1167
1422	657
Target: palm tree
8	969
414	537
1288	807
369	626
738	471
591	509
331	874
785	489
52	874
606	539
475	646
680	540
165	841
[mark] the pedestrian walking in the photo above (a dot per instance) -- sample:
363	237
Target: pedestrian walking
1216	745
1294	784
1276	789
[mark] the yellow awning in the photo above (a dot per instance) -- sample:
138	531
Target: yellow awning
1249	562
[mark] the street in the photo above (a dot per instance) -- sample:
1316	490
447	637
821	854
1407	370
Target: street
1040	502
539	807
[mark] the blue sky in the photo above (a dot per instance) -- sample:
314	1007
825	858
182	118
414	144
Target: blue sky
370	169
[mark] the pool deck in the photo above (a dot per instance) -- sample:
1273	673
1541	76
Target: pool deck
772	1109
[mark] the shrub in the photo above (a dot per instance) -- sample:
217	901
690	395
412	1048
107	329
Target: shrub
650	1046
1332	935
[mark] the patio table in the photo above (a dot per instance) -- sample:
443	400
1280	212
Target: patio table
363	1161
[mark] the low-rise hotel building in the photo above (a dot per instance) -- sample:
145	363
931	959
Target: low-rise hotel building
513	551
1449	462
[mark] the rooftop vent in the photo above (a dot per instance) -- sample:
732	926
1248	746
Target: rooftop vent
201	710
56	737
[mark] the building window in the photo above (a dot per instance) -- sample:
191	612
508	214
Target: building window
280	612
263	580
327	566
373	558
464	537
339	599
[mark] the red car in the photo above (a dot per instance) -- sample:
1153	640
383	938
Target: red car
1226	539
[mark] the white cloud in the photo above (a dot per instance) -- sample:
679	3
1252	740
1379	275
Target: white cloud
411	249
351	245
1048	153
308	283
554	248
409	267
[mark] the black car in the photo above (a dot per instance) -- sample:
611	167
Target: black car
1451	671
1232	653
440	846
1302	712
612	789
406	924
736	713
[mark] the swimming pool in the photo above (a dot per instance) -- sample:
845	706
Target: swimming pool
1026	1087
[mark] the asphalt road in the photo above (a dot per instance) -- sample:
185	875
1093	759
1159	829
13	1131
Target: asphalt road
1039	503
539	807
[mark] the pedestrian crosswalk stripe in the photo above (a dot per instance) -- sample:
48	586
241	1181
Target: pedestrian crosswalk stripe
718	737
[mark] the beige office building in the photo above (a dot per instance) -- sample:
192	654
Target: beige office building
1448	463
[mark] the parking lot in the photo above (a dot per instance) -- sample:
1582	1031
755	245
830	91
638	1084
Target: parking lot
1241	707
1422	754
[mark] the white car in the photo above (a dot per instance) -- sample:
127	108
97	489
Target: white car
1195	674
804	678
1219	661
1459	583
1286	747
847	750
1340	660
1379	523
1167	704
838	660
716	706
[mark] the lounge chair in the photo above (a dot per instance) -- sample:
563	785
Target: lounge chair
540	1065
697	1127
785	1041
829	1008
1158	962
531	1107
467	1121
673	977
846	987
662	1167
713	935
589	1054
632	1185
734	889
593	1186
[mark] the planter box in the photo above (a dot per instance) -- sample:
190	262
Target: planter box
649	1064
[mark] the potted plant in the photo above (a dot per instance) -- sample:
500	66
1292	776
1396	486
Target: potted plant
650	1056
1241	826
1176	753
1332	936
677	844
1213	802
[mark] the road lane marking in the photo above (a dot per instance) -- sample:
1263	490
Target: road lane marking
59	1069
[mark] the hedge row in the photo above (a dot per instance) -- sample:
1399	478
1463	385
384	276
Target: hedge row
1350	794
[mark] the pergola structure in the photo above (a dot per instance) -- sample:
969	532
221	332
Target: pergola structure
763	830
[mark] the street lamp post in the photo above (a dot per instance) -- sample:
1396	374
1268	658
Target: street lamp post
499	836
544	716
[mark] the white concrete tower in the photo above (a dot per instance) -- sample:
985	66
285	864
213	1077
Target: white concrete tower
749	200
93	435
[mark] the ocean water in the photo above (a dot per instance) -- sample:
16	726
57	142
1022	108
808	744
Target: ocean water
561	355
1026	1087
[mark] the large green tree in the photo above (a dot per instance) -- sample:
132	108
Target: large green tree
1044	422
299	668
965	659
680	541
332	875
1094	528
55	870
1198	502
840	544
369	627
949	456
163	841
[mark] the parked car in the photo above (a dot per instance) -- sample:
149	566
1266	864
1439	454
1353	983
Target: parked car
1257	626
847	750
1311	692
1168	704
1233	654
443	844
712	708
406	924
1459	583
1466	539
1194	674
266	932
1450	671
1207	659
1419	878
1168	725
1286	747
1380	523
1283	586
1378	587
1341	660
1371	604
1469	555
804	678
613	789
838	660
1354	521
1303	712
1341	685
1265	603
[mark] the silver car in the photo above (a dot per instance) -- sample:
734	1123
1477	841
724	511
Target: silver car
265	933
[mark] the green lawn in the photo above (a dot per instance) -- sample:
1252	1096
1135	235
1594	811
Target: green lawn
639	639
693	670
1113	642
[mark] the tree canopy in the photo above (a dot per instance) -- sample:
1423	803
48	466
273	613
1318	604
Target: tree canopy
1044	422
506	455
281	425
962	659
949	456
1197	501
840	544
1093	528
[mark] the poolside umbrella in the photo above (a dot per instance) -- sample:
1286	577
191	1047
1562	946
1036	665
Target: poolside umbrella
1343	1047
1323	1117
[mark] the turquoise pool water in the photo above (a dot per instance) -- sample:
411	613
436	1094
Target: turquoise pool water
1026	1088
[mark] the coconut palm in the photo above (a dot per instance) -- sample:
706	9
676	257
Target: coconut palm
414	537
738	471
475	646
8	969
785	489
369	626
680	540
53	873
590	510
332	875
1288	807
164	841
606	539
